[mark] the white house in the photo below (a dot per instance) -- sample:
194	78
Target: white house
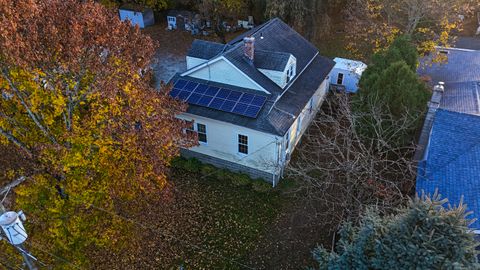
251	100
137	15
347	73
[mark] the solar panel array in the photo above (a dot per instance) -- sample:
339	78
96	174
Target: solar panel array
222	99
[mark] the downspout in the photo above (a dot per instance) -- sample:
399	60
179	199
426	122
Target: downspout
277	165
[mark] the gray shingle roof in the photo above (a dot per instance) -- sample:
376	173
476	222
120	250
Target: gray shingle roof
461	66
461	74
271	60
281	109
463	97
472	43
206	49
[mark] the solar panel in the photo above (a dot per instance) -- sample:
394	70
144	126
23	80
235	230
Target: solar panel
201	89
175	92
246	98
228	105
205	100
227	100
240	108
252	111
212	91
258	100
216	103
194	98
234	96
223	93
190	86
184	95
180	84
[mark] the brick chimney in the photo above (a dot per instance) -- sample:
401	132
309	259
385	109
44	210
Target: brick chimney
249	48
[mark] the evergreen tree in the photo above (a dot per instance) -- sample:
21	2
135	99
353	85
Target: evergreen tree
423	235
391	86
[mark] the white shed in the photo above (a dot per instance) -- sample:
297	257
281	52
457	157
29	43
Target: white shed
137	15
347	73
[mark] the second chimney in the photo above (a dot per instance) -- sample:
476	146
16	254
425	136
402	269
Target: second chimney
249	48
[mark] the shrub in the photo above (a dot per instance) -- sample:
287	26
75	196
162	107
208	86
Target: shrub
178	163
238	179
193	165
208	170
260	185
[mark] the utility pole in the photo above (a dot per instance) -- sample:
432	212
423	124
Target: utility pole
15	233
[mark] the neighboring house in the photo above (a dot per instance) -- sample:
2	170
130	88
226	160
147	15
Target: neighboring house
137	15
449	152
346	74
251	100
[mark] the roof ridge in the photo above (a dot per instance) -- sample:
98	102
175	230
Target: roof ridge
451	161
467	150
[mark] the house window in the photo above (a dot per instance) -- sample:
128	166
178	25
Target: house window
287	143
202	133
189	129
340	78
242	144
310	105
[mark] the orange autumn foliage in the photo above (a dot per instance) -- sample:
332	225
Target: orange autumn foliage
77	102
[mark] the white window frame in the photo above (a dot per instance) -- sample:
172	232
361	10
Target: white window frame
338	78
204	133
239	143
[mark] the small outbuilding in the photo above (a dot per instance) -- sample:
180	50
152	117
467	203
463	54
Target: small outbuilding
181	19
137	15
346	74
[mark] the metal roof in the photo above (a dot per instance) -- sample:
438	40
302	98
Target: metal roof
350	65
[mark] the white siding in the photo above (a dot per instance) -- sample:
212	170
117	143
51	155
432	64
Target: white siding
222	142
224	72
306	116
136	18
193	62
278	77
350	79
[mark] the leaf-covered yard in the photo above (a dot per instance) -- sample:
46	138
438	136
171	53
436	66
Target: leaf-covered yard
207	219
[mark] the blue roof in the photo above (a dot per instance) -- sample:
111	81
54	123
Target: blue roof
452	162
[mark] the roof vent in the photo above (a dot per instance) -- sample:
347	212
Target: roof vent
249	48
440	87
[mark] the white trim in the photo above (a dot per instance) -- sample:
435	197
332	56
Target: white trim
454	49
476	231
190	71
294	80
238	144
206	132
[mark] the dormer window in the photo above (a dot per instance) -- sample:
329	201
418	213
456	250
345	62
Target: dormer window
290	73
